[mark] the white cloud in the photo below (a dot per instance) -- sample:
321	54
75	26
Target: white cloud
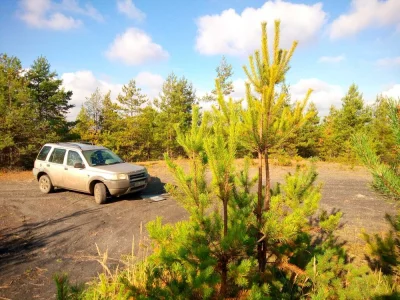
324	95
134	47
84	83
150	83
128	8
239	89
365	14
394	91
239	34
73	7
331	59
388	62
48	14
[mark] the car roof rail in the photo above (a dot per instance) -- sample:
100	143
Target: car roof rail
69	144
84	142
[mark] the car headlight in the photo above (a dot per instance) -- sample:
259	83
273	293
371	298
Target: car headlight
119	176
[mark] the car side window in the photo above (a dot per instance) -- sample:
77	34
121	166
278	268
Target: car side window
43	153
57	156
73	158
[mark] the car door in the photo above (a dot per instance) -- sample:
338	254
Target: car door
55	166
75	178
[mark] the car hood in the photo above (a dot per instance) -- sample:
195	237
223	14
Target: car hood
120	168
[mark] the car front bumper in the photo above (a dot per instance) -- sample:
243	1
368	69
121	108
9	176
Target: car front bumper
123	187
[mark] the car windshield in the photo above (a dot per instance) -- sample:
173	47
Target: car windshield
101	157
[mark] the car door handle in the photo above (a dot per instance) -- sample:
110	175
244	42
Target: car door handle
65	168
48	165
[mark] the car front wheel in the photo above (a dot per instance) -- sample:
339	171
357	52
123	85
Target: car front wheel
100	193
45	184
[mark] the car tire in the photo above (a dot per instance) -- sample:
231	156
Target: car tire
45	184
100	193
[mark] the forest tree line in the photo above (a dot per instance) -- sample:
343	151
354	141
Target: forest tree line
34	107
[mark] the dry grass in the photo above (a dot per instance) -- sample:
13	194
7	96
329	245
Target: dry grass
6	175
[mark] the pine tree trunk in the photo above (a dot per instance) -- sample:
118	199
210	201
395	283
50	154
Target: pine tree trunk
261	246
224	278
267	199
224	265
225	217
260	176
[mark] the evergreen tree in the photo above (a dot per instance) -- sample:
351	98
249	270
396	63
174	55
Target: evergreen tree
308	138
109	120
21	133
85	127
111	123
268	122
353	117
94	107
148	135
224	74
386	177
131	99
381	132
175	105
12	83
48	96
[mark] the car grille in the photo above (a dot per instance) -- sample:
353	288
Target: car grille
137	177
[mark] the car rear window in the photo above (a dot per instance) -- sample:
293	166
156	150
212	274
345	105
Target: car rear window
73	158
43	153
57	156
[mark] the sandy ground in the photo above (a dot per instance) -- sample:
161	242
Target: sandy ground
44	234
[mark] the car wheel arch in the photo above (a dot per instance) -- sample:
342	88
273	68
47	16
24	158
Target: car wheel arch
93	183
40	174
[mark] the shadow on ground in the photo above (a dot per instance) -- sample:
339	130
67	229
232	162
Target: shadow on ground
154	188
20	244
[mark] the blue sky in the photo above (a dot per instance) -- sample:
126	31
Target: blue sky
107	43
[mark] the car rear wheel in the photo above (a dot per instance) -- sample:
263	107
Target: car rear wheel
100	193
45	184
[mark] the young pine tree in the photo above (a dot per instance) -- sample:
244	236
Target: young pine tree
384	250
268	122
386	177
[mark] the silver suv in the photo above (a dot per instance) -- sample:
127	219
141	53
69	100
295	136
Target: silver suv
87	168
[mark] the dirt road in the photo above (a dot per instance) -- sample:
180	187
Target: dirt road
43	234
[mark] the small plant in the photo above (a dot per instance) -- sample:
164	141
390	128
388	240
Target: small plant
314	159
66	291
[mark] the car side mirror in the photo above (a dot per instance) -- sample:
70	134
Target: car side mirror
79	166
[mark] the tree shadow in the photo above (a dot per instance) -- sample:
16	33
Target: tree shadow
327	237
19	244
384	248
